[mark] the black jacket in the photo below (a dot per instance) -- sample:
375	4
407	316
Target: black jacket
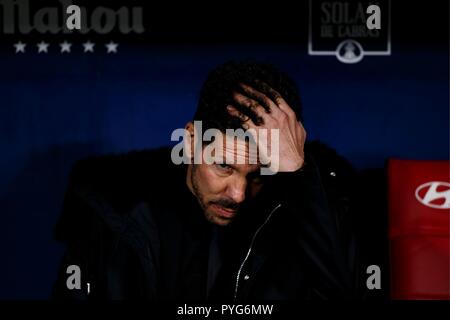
136	232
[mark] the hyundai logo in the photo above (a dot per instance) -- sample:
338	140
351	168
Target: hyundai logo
434	194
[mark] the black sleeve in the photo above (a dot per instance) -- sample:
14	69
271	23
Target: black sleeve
302	194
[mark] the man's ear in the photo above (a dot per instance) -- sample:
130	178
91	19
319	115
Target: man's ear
189	140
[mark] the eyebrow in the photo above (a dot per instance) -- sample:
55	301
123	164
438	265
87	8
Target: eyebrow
250	173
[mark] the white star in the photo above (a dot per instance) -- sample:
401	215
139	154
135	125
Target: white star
42	47
112	47
65	46
20	47
88	46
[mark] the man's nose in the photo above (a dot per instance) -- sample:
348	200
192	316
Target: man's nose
236	190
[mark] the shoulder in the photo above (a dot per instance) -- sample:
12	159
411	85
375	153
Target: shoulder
339	180
334	168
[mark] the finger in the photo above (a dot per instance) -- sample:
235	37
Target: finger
276	97
301	132
260	97
260	116
246	121
249	103
281	103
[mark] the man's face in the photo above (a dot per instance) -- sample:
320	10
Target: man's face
222	187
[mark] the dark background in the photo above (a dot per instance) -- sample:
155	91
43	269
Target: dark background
56	109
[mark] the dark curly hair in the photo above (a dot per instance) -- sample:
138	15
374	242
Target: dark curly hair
216	93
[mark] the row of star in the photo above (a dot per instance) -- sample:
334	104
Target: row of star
111	47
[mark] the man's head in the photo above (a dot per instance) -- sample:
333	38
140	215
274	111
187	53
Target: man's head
223	187
217	92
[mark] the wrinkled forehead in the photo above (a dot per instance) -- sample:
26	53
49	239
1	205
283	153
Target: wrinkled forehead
233	150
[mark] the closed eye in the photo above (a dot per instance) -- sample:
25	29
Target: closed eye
223	167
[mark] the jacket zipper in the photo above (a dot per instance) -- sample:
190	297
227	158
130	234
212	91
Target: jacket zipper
250	250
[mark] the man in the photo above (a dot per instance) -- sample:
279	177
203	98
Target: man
139	226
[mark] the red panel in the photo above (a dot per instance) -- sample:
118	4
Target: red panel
419	224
